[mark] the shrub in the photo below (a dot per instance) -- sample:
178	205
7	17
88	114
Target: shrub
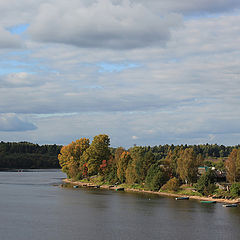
235	189
172	185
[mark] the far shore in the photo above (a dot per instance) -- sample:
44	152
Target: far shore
88	184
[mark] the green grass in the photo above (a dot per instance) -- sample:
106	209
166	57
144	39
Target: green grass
189	193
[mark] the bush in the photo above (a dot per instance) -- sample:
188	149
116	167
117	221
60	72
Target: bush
172	185
235	189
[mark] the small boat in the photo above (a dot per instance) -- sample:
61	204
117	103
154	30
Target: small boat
182	198
208	201
119	189
75	186
230	205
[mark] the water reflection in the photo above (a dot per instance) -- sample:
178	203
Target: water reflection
32	208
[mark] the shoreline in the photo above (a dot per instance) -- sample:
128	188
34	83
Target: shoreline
109	187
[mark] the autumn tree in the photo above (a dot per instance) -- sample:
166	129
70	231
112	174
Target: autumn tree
232	165
172	185
70	157
171	161
96	153
187	165
122	165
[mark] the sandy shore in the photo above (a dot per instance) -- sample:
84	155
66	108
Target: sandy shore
82	184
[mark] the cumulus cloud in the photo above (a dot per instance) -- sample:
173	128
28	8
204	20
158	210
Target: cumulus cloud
11	122
102	24
184	88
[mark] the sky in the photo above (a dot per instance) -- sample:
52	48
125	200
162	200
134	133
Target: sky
144	72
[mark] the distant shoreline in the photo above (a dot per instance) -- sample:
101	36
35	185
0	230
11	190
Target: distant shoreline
87	184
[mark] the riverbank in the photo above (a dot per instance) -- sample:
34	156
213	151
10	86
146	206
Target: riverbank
88	184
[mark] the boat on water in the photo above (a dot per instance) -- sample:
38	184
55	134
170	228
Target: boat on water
75	186
208	201
182	198
230	205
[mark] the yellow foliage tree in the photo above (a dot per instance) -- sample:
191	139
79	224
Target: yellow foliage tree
233	166
70	157
122	165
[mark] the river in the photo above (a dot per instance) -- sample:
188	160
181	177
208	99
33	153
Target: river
32	206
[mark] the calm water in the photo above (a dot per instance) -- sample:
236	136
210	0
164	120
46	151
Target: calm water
32	207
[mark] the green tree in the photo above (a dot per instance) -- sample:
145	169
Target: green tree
156	177
70	157
205	183
187	165
235	189
96	153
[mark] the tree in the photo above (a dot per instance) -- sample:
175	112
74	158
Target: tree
122	165
235	189
187	165
156	177
172	185
70	157
96	153
171	160
233	166
205	183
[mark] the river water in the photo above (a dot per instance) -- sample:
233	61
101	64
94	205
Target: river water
32	206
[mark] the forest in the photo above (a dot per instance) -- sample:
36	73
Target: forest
28	155
159	168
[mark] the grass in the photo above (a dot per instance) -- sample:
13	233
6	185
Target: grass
189	193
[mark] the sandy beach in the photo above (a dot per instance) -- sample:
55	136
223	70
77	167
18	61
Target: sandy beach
87	184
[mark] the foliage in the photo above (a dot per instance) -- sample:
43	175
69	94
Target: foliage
156	177
172	185
235	189
28	155
205	183
187	165
233	166
122	165
71	160
111	172
96	153
171	160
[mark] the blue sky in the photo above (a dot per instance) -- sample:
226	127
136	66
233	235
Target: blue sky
143	72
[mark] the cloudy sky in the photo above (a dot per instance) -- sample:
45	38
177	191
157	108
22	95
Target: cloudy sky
144	72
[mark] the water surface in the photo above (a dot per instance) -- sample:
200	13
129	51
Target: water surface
33	207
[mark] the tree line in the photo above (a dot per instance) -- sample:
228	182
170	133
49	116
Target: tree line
15	155
154	168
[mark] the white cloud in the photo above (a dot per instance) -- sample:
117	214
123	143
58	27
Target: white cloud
185	89
102	24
